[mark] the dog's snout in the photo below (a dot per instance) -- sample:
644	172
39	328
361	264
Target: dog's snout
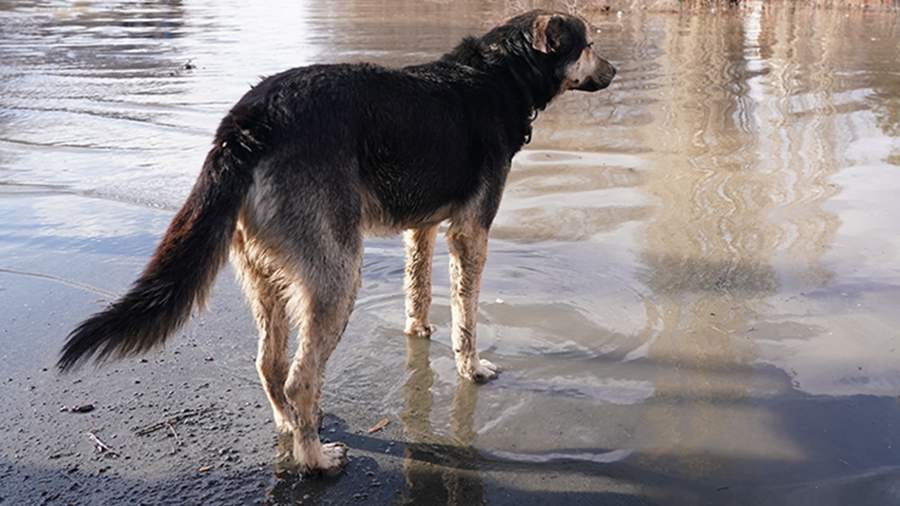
606	69
612	70
605	73
600	78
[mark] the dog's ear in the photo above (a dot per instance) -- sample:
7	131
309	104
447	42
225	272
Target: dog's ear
544	32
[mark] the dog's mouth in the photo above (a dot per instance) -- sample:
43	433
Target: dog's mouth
594	83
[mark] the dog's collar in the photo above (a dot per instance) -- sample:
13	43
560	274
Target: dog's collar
531	117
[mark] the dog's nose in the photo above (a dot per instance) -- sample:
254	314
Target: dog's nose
605	74
607	70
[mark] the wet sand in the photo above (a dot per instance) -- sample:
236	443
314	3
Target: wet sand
692	284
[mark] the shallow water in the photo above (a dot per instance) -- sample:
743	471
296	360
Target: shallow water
693	278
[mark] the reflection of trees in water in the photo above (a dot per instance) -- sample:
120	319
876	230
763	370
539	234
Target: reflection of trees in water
429	482
706	247
712	219
741	173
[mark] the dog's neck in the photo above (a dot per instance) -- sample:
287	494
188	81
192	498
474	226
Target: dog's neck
513	70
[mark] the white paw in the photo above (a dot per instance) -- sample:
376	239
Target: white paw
482	372
417	329
334	458
330	461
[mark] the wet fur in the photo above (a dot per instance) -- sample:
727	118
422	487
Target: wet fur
311	160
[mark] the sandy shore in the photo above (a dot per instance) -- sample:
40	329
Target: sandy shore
220	445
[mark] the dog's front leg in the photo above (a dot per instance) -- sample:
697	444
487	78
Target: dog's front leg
468	252
417	280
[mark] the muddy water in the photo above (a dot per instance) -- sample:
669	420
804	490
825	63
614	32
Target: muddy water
693	281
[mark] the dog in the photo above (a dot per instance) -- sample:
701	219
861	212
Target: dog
310	161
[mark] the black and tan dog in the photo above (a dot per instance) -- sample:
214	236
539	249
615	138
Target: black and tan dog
311	160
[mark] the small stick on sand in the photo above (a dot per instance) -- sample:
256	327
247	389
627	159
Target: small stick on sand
100	446
175	435
171	422
381	424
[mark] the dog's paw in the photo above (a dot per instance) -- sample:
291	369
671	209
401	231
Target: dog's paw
482	372
334	458
329	462
418	329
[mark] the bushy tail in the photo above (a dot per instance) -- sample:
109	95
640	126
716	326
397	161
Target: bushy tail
185	263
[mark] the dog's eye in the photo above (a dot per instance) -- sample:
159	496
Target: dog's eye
590	44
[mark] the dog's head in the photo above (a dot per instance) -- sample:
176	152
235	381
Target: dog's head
558	50
568	43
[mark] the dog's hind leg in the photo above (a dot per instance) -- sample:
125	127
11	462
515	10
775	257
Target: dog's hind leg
321	304
264	291
419	244
468	251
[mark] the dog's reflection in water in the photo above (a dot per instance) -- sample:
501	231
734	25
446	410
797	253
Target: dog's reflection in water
439	469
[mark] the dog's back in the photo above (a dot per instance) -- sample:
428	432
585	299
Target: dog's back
413	141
